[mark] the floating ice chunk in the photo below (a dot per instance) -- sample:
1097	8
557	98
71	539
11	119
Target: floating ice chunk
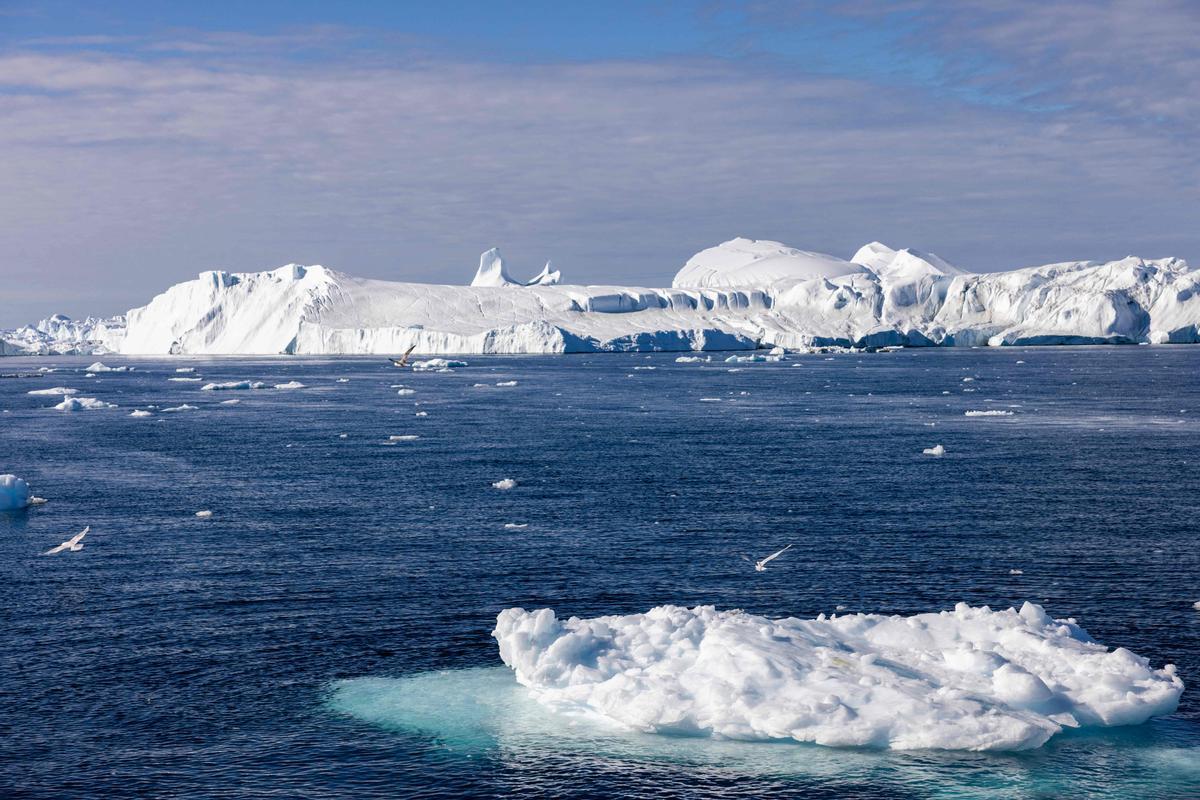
646	368
990	413
506	383
343	380
750	359
967	379
90	375
343	436
231	402
98	367
936	450
1016	572
710	399
436	364
692	359
45	370
405	392
185	369
57	390
421	414
1196	605
205	514
184	407
14	493
140	413
505	483
968	679
233	386
777	351
478	385
82	404
290	385
185	380
515	526
406	437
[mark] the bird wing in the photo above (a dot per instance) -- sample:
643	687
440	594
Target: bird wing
776	555
75	539
58	549
404	358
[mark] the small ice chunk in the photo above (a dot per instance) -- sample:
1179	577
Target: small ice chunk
57	390
421	414
233	386
777	351
343	436
290	385
436	364
1016	572
515	526
185	380
967	379
505	483
1196	605
405	437
140	413
82	404
506	383
989	413
14	493
184	407
693	359
936	450
205	514
98	367
343	380
185	369
231	402
405	392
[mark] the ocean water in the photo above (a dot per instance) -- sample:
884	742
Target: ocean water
326	632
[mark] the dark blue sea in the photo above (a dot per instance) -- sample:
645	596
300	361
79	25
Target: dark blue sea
325	633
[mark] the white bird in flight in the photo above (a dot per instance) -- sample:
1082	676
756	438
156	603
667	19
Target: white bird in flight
73	544
761	566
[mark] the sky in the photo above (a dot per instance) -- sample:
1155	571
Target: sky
144	142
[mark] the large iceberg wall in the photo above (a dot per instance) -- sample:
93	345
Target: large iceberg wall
738	295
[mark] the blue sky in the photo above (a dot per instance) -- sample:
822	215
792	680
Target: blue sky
149	141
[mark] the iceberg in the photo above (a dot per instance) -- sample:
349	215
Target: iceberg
82	404
57	390
14	493
742	294
967	679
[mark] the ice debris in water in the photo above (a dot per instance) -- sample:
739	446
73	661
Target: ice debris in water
185	380
205	514
991	413
232	386
434	364
936	450
506	383
82	404
967	679
505	483
183	407
231	402
98	367
290	385
57	390
406	437
14	493
515	526
343	380
405	392
185	369
140	413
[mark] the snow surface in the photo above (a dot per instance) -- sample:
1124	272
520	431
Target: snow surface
739	295
14	493
967	679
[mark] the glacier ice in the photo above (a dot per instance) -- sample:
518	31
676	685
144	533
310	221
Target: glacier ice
739	295
967	679
14	493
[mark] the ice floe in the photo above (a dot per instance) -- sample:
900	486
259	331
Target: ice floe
233	386
57	390
99	367
435	364
183	407
290	385
505	483
140	413
936	450
82	404
506	383
967	679
990	413
205	514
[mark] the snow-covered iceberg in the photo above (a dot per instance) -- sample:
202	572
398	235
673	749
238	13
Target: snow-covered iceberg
740	295
967	679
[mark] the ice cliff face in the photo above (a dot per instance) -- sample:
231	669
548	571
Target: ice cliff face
739	295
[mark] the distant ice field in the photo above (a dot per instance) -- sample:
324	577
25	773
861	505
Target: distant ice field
326	632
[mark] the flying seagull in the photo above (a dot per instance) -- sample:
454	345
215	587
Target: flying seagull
73	544
761	566
403	360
